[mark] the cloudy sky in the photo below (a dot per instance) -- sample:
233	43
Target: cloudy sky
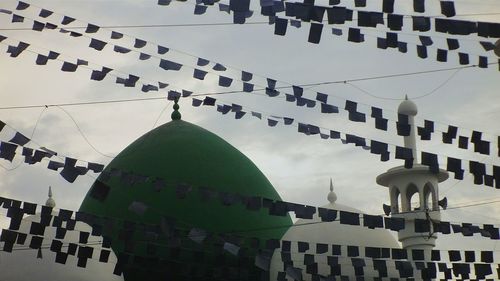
299	166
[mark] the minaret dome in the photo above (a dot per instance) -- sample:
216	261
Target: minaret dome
407	107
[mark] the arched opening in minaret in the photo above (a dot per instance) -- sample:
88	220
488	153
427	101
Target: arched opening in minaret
396	203
413	198
429	197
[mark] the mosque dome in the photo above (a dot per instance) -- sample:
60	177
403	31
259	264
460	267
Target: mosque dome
314	231
26	264
184	155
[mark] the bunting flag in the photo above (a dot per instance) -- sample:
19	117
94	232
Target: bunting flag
335	14
284	247
454	165
66	220
69	168
480	146
306	253
390	41
477	169
271	8
364	19
401	265
280	208
139	43
70	171
308	12
252	203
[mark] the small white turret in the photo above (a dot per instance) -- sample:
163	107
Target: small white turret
332	197
50	201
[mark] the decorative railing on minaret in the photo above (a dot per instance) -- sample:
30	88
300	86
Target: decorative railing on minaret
404	184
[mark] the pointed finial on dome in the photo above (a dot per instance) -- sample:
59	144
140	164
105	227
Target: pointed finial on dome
50	201
332	197
176	115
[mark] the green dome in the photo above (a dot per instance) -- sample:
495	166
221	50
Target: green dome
181	153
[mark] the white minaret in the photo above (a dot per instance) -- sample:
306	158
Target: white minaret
407	184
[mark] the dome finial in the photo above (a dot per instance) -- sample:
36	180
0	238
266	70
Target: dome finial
50	201
176	115
332	197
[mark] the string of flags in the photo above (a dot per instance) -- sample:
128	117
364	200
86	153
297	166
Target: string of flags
280	29
65	220
355	35
391	41
277	208
453	44
100	192
337	264
477	169
425	133
70	170
115	35
307	129
307	11
402	125
95	43
273	6
354	114
454	165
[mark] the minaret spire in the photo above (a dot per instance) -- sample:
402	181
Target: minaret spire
332	197
50	201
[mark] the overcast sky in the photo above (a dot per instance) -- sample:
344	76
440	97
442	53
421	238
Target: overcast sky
298	166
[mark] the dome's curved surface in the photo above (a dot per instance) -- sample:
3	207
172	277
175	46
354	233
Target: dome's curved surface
336	233
180	153
330	233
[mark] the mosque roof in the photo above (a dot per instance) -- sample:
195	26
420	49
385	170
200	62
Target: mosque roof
184	155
